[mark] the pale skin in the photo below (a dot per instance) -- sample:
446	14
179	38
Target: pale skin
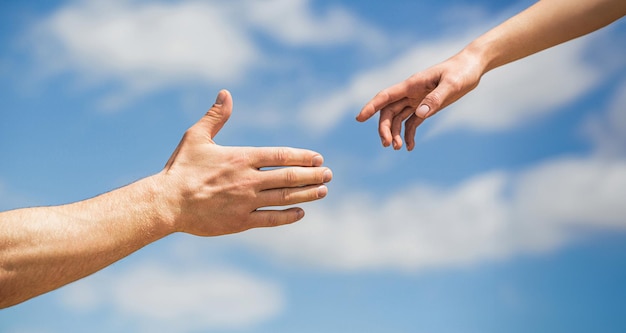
545	24
205	189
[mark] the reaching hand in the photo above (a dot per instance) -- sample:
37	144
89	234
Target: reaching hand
205	189
542	25
421	96
215	190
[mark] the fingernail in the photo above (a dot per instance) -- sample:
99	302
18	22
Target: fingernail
422	111
220	97
300	214
322	191
318	160
328	175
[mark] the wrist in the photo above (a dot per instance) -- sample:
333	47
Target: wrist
480	53
165	210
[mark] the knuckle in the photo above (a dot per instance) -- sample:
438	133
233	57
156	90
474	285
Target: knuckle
291	176
382	131
241	224
245	157
282	155
284	195
384	95
322	177
189	133
239	158
396	125
455	83
431	85
411	122
395	108
434	99
273	220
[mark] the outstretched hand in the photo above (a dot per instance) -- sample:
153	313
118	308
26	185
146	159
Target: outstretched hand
419	97
205	189
215	190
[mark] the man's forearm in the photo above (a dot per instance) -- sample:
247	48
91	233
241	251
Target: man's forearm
44	248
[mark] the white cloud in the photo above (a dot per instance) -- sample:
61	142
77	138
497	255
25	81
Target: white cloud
292	22
491	216
164	298
574	191
418	227
149	45
608	131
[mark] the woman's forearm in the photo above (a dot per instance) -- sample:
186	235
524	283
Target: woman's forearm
545	24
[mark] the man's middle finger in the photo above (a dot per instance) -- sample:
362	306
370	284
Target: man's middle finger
294	177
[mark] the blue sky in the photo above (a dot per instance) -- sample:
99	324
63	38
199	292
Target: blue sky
508	216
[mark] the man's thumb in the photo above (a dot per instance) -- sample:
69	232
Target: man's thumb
218	114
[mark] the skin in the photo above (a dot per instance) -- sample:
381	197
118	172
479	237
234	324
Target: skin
545	24
205	189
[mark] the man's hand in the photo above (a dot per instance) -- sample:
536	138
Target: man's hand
204	189
214	190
